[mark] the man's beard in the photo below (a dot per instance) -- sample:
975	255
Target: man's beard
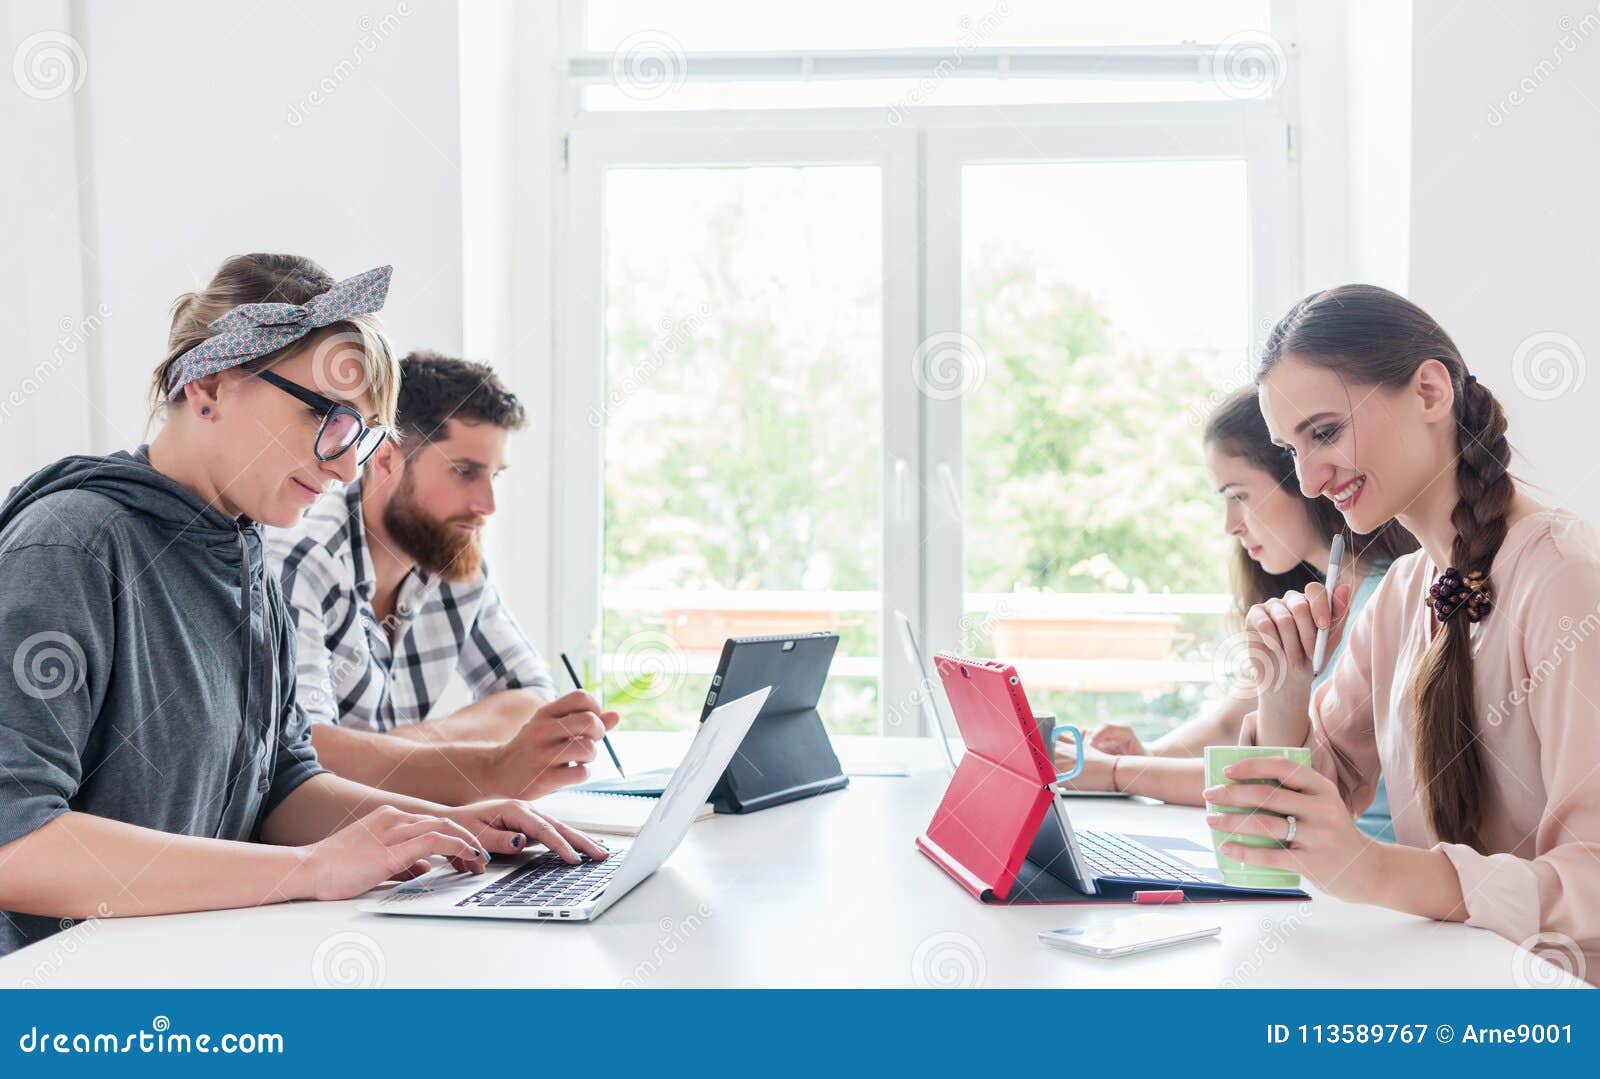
435	545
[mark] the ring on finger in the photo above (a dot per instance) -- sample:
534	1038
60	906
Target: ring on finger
1294	826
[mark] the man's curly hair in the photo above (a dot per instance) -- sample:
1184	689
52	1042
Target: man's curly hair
435	389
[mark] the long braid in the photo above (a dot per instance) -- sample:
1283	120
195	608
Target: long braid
1449	769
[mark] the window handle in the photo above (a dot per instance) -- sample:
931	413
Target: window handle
902	489
947	485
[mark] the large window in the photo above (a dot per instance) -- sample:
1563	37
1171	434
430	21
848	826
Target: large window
951	362
1105	303
744	318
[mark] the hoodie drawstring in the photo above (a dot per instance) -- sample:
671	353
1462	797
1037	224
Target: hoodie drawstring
242	749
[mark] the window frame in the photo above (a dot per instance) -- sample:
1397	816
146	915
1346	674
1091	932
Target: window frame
1253	132
921	163
711	141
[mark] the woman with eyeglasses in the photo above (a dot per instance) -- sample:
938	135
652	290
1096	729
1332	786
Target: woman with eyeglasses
152	759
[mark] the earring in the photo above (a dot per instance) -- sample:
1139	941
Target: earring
206	411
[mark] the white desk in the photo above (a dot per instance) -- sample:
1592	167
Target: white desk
825	892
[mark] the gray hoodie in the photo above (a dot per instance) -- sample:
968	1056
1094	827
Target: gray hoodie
146	663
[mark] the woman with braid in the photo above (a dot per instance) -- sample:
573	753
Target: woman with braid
1470	680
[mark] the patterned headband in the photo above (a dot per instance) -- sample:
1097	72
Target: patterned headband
253	330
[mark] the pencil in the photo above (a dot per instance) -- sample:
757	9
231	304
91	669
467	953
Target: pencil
578	682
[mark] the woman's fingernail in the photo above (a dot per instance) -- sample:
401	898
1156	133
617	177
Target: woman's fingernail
516	841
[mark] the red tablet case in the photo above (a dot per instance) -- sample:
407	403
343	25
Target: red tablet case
981	832
986	823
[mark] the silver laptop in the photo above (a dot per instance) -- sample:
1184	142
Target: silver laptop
542	886
936	705
931	696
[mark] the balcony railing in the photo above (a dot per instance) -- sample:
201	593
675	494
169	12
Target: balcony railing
1100	642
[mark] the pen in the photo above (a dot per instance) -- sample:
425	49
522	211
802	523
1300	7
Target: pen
1335	560
1174	895
576	681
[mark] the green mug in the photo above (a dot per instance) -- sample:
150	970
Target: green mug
1233	870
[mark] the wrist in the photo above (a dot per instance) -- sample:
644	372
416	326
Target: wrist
294	875
1375	872
484	763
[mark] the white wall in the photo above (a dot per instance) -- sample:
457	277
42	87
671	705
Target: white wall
1505	226
330	129
511	163
1379	107
46	328
358	132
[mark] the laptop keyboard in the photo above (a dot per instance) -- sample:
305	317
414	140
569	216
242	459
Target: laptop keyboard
1113	855
546	881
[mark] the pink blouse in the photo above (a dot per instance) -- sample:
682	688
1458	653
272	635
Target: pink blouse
1536	665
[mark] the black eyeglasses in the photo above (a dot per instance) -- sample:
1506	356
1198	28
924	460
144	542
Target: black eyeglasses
342	426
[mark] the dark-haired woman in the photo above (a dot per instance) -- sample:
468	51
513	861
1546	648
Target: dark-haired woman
1471	680
1282	539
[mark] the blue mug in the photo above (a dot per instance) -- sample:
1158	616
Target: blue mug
1051	734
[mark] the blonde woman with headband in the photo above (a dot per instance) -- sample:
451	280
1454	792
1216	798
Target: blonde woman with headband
152	758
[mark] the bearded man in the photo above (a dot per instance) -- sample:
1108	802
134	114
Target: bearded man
386	584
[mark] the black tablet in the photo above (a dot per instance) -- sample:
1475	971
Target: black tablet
787	754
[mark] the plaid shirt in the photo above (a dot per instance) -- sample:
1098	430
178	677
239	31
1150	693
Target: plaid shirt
347	672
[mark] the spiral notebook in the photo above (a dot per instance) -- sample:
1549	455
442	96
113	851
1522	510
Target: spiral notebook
598	811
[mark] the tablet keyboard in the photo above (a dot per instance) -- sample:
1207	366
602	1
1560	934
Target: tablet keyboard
1113	855
546	881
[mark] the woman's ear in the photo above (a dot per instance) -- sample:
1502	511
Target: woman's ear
1435	390
200	396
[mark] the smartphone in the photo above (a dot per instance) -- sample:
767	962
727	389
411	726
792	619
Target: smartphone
1126	934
